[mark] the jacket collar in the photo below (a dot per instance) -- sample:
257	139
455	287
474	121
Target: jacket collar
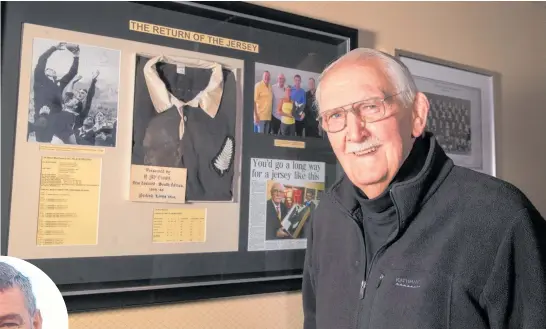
408	196
208	99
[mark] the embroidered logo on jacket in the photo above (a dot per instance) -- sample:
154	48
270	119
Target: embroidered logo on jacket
224	159
408	283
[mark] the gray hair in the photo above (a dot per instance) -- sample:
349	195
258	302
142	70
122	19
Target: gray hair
396	71
11	278
280	185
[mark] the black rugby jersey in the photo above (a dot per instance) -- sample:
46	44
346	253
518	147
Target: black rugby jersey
184	116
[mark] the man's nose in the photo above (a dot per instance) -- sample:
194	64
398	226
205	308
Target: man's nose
356	128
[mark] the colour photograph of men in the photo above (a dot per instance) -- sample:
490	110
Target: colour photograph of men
284	102
73	94
288	209
29	299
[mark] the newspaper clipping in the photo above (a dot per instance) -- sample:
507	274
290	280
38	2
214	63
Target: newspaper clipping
283	194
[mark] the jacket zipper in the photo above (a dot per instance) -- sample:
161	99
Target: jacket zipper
363	283
380	250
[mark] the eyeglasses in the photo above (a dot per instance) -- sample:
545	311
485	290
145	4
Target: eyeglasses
368	110
11	325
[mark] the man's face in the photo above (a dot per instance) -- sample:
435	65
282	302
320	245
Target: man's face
351	82
277	193
297	82
72	103
266	77
13	311
308	196
81	94
50	73
281	80
289	202
311	84
88	122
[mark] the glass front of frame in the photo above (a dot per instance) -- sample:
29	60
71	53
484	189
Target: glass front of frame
145	148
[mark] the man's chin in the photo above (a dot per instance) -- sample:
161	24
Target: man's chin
362	176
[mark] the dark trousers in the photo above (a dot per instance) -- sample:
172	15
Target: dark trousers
275	126
288	130
263	127
299	128
311	129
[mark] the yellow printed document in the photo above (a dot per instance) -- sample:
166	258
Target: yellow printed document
179	225
69	201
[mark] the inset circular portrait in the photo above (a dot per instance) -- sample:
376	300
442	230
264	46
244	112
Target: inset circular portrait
29	299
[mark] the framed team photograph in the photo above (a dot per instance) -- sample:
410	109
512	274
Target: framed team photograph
462	109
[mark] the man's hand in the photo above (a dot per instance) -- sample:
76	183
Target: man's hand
281	233
95	74
44	110
101	136
256	120
61	46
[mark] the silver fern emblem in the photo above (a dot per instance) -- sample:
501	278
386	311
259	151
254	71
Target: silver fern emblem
223	160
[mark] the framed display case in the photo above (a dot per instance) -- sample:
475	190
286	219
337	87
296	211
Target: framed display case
142	162
462	111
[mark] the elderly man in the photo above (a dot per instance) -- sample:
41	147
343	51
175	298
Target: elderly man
276	210
17	301
406	239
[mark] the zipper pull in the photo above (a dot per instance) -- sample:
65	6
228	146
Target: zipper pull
380	279
362	289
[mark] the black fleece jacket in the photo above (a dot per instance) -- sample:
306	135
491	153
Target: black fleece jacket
469	251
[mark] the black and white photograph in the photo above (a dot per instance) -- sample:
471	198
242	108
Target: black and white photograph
284	102
449	120
461	114
73	94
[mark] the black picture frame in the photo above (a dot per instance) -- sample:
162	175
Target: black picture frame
125	281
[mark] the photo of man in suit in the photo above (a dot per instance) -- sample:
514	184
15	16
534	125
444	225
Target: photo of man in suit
309	197
276	210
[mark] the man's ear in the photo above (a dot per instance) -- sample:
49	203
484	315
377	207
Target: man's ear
419	115
37	320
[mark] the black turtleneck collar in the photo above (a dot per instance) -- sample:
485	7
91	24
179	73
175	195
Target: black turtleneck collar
409	169
418	177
